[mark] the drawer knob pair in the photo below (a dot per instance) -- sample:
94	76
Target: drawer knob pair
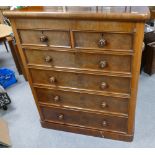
52	80
48	59
102	64
56	98
43	38
61	117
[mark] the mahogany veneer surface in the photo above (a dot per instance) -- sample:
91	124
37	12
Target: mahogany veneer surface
83	65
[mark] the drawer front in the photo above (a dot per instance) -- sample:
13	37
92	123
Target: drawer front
105	62
45	38
74	24
103	40
84	81
79	118
82	100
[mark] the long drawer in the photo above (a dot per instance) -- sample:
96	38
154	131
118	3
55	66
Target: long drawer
53	38
82	100
78	118
78	80
79	60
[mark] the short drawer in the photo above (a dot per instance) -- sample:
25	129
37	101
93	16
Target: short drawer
114	41
83	81
82	100
45	38
79	60
79	118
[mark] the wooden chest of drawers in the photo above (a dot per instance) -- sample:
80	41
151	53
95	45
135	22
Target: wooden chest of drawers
83	66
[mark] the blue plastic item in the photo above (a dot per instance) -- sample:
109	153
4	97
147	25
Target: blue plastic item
7	77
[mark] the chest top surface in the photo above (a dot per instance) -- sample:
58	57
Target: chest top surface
133	13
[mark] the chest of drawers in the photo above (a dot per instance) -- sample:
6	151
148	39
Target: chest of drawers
83	66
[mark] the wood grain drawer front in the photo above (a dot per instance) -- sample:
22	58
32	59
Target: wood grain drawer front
100	40
79	118
82	100
84	81
45	38
102	62
74	24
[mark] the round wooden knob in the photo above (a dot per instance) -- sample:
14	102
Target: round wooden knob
48	59
61	117
56	98
103	105
103	85
102	64
104	123
101	43
52	79
43	38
